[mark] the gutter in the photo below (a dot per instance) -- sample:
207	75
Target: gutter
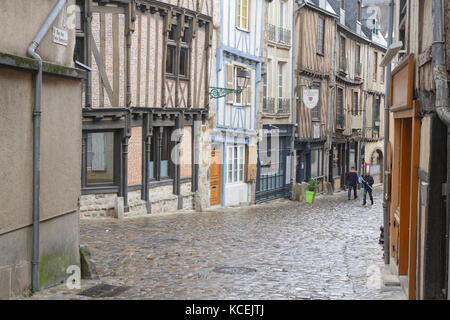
31	52
442	99
386	200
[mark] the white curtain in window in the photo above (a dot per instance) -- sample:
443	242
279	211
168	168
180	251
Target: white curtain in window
98	141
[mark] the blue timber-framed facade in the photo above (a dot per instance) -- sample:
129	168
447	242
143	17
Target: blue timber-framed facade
235	130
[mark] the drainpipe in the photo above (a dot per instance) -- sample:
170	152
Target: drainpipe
441	104
386	201
331	112
293	101
363	140
31	52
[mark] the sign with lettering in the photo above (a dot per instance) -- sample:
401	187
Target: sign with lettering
310	98
60	36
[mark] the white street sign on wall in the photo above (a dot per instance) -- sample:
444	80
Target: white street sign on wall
311	98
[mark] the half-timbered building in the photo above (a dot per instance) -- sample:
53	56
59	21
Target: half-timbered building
234	136
373	95
350	63
144	103
274	170
314	56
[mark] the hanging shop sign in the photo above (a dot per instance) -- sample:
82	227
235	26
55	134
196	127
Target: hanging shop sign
310	98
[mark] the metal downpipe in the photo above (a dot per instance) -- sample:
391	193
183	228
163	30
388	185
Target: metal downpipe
37	110
386	202
442	98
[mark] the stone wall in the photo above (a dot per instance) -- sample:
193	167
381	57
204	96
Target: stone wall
162	200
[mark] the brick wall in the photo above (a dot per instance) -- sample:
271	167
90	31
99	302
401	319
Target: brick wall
135	157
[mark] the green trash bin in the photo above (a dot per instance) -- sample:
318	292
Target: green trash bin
309	197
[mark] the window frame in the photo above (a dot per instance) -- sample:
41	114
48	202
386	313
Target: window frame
235	153
167	146
117	161
355	103
320	164
375	67
320	36
240	17
178	43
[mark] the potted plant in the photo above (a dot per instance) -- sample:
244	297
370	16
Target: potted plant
313	185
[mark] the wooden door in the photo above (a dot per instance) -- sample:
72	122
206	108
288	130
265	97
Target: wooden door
215	177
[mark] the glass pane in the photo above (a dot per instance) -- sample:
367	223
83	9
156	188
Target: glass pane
170	58
241	164
100	157
151	170
183	62
235	164
230	164
164	168
314	163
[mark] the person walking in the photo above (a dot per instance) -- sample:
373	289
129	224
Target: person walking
352	181
367	181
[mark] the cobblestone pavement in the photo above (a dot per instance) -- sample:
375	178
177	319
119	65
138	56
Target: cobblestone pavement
328	250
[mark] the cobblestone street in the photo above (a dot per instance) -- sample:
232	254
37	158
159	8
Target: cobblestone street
278	250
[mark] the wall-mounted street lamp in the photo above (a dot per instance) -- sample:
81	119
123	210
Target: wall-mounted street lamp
243	76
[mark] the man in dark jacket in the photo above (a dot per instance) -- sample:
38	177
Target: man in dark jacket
352	181
367	181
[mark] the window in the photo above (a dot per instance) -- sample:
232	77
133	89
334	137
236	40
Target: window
170	62
355	103
352	155
382	71
320	35
242	14
316	163
358	60
162	146
342	55
340	109
336	167
280	79
315	112
235	164
376	116
184	60
264	78
375	66
79	54
177	57
282	14
101	153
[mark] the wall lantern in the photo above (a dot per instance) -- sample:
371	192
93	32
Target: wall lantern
243	76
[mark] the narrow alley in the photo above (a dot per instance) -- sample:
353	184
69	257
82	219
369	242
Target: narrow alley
279	250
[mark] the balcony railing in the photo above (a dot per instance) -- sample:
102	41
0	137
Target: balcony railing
268	105
343	64
271	32
284	106
284	36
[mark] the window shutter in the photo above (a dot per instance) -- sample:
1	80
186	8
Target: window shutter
230	82
249	90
